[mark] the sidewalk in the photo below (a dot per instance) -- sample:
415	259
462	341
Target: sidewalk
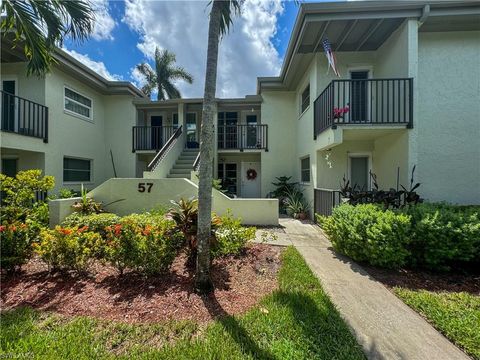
384	326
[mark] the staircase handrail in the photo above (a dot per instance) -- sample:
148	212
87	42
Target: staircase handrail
164	150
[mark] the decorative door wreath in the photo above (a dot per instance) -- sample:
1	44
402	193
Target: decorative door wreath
251	174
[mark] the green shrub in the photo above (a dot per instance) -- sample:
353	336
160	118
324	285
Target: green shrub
15	245
147	248
368	233
69	248
442	234
21	217
231	237
94	222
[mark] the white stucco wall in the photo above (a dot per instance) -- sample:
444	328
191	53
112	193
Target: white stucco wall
448	122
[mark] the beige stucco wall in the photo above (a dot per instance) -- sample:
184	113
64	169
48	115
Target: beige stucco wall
448	122
279	111
252	211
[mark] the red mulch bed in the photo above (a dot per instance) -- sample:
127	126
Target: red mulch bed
240	282
417	280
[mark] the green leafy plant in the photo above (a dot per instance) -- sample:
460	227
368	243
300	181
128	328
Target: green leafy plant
65	193
231	237
283	188
95	222
69	248
443	234
87	205
15	245
369	233
296	205
149	249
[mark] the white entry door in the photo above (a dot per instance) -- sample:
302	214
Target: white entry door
250	187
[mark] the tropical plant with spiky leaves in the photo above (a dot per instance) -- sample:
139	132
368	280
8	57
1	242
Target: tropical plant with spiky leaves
164	76
38	26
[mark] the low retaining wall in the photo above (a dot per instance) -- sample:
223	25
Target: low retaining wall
126	196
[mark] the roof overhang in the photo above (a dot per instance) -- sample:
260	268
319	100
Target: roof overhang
363	26
249	100
73	67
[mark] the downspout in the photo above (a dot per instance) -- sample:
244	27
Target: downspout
425	15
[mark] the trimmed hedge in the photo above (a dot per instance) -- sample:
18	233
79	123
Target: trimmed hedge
432	236
366	233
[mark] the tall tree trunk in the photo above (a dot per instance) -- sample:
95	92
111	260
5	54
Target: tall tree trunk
203	283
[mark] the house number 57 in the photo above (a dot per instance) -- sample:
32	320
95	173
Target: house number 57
145	186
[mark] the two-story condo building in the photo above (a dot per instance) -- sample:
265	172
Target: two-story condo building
409	76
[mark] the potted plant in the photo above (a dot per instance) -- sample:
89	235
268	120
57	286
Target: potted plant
296	205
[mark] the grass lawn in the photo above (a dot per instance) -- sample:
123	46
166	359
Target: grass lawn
298	321
456	315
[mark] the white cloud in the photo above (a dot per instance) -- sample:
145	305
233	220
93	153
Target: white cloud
245	53
104	22
97	66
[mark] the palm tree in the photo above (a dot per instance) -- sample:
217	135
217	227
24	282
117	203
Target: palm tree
41	25
163	76
220	20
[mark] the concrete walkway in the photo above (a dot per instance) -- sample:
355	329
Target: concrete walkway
384	326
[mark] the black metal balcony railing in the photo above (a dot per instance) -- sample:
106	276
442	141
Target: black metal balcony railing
23	117
371	101
243	137
151	137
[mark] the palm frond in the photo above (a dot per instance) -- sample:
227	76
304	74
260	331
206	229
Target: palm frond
41	25
179	73
228	10
171	90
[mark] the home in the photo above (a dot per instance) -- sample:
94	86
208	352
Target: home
407	94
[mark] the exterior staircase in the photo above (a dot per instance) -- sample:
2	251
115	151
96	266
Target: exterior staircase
184	164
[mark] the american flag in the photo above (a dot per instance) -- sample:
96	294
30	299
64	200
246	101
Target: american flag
330	56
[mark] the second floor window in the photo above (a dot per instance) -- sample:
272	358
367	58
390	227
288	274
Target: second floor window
78	104
305	98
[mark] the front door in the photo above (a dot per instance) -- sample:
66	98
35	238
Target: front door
359	96
192	139
359	172
157	136
8	105
250	180
252	134
10	167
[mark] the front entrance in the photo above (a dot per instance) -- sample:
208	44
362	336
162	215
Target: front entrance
250	186
359	96
8	105
192	132
157	135
359	171
10	167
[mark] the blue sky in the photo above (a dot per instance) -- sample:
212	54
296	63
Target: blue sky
127	32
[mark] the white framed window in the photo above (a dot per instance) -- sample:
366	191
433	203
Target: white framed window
77	170
305	100
77	104
305	169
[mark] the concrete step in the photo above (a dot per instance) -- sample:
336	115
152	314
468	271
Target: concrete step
179	171
179	176
186	167
184	161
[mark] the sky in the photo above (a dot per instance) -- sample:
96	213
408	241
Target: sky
127	32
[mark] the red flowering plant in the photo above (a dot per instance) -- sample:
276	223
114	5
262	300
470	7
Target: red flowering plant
15	244
339	113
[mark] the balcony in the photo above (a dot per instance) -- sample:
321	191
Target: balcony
370	102
23	117
150	138
243	137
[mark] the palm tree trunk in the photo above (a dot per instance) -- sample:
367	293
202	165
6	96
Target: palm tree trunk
203	283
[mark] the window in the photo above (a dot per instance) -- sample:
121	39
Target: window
78	104
228	174
305	98
76	170
305	169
